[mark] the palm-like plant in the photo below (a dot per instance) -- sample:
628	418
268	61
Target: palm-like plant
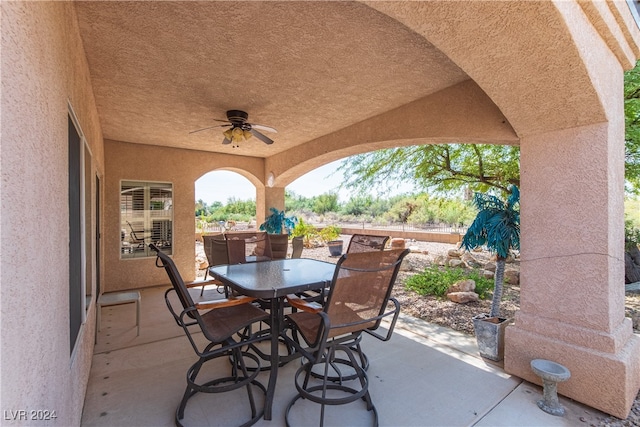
277	221
497	226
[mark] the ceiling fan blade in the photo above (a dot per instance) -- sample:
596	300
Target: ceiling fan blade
261	137
263	127
226	141
210	127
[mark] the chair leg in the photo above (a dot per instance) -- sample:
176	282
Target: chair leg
243	367
240	377
192	373
318	393
206	271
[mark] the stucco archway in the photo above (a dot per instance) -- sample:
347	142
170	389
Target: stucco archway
571	136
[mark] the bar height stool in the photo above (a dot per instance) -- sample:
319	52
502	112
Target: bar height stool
117	298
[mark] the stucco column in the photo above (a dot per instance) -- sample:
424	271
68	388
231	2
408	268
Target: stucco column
572	267
266	198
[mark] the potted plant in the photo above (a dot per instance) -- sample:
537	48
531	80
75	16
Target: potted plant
278	225
330	235
497	226
307	231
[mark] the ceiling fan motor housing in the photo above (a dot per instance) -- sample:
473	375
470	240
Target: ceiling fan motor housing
237	116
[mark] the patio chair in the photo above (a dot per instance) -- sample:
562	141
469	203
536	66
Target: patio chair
248	246
358	300
366	243
297	245
137	238
226	328
215	249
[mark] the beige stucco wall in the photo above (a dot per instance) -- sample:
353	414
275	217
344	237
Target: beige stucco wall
126	161
43	69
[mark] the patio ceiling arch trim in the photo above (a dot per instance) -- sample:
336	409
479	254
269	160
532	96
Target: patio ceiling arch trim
255	177
461	113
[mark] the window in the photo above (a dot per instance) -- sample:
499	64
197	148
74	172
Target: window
76	223
146	216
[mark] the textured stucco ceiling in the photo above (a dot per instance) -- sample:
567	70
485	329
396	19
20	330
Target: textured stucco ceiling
162	69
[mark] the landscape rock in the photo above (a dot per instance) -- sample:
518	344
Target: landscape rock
468	285
512	277
454	253
463	297
455	262
491	266
488	274
470	260
440	260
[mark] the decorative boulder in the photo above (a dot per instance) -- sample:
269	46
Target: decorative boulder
512	277
491	266
463	297
440	260
488	274
468	285
470	260
455	262
454	253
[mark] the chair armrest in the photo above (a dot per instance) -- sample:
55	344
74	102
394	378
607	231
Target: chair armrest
227	302
395	313
297	302
203	283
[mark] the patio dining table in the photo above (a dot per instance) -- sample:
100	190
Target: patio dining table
273	280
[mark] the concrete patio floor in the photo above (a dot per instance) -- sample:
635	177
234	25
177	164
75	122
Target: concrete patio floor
424	376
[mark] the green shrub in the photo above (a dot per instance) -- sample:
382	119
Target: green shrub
330	232
307	231
436	280
631	236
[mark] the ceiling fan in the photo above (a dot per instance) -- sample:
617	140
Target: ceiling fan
240	129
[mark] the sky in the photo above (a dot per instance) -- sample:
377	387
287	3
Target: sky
222	185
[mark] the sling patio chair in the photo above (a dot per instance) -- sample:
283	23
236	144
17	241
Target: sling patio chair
297	245
137	238
358	300
225	325
366	243
215	249
248	246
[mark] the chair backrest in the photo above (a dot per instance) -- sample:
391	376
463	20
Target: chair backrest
215	248
257	244
366	243
297	245
236	251
163	261
134	235
361	289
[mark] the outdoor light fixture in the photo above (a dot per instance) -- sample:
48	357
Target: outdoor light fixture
236	134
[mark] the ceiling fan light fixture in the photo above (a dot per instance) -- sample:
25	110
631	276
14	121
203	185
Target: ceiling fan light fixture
239	129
